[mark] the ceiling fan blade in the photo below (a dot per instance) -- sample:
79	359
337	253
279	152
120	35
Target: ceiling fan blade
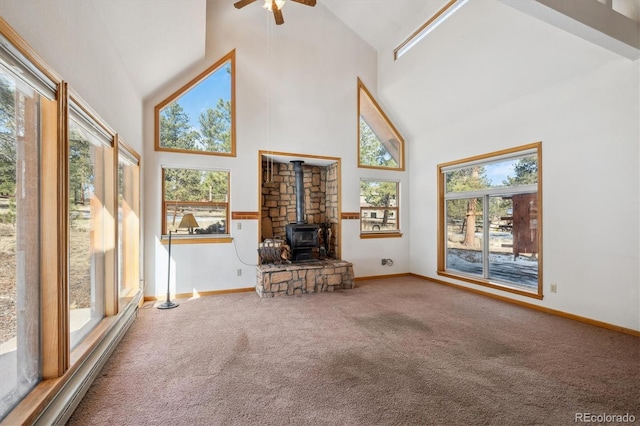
242	3
306	2
277	13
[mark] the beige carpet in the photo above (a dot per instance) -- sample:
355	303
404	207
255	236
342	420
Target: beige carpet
394	351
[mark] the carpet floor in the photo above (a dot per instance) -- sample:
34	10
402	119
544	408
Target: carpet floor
399	351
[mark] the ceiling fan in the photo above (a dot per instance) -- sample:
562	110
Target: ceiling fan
274	6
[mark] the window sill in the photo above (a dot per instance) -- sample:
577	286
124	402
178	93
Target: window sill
487	283
222	239
368	166
381	235
195	151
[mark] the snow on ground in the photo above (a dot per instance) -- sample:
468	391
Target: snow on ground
521	272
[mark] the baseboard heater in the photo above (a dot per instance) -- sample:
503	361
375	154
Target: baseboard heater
67	399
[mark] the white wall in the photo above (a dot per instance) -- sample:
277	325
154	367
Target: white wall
296	92
491	78
71	38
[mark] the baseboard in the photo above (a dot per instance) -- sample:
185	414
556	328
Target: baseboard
555	312
203	293
382	277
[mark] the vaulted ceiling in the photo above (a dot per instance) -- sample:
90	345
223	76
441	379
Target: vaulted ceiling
157	39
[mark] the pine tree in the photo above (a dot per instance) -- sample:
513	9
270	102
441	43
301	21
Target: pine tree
175	130
372	151
215	127
7	137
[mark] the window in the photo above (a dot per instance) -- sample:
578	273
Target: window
380	146
438	18
58	248
490	220
200	118
202	193
379	215
128	224
25	107
90	221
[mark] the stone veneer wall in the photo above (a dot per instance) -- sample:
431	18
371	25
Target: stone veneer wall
332	206
304	277
279	198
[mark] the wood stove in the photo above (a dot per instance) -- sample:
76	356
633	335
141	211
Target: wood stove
302	237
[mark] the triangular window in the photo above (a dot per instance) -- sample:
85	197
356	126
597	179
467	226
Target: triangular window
379	143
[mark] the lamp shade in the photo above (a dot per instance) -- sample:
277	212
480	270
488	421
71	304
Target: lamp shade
188	221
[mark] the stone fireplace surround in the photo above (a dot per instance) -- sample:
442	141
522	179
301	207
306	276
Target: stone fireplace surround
279	200
321	207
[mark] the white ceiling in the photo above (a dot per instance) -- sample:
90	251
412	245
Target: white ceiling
155	39
171	34
384	22
158	39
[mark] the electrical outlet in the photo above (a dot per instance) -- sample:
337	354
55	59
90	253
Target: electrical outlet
239	272
239	226
384	261
554	288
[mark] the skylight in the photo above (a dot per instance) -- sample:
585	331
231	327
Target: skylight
448	10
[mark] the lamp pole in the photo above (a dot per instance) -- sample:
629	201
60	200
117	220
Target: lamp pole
168	304
189	222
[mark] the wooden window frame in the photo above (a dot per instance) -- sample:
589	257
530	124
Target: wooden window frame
229	57
59	364
362	89
440	16
130	272
179	238
536	148
105	235
380	233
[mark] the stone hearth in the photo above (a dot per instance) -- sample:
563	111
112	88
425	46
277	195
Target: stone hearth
304	277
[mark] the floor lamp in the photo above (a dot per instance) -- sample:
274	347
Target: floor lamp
189	222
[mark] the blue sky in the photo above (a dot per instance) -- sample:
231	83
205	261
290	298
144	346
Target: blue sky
205	94
498	172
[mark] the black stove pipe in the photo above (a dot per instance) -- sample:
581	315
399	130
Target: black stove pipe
297	168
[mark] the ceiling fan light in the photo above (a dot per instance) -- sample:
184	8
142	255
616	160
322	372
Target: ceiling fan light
267	5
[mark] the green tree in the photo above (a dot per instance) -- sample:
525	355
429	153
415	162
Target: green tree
175	130
10	214
80	168
464	180
7	137
379	194
217	186
372	151
526	172
184	185
215	127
